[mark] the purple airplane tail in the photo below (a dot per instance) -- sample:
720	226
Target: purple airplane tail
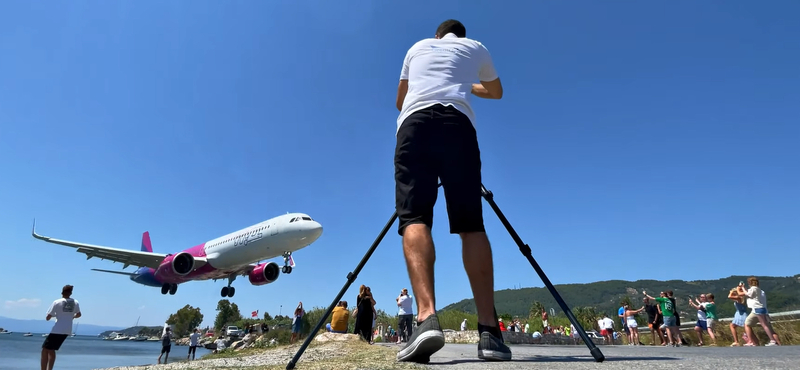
146	246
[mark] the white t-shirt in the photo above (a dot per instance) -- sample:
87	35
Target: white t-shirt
64	310
193	339
609	324
220	344
443	71
464	325
405	305
701	315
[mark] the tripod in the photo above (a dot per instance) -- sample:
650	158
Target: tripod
524	248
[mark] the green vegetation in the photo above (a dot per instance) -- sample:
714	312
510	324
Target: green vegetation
185	320
783	293
227	314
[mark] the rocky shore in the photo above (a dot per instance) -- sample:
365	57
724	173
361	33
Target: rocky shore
324	348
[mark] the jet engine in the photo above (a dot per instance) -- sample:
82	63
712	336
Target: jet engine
264	273
182	263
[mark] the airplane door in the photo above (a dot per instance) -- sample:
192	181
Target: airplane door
274	228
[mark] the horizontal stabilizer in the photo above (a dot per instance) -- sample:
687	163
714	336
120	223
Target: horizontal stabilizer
115	272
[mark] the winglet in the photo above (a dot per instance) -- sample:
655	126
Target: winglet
33	231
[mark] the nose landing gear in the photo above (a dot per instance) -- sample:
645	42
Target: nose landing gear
287	269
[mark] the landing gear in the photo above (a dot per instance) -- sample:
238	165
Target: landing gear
286	268
169	288
229	291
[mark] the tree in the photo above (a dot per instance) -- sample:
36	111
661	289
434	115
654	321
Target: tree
536	309
185	320
626	300
228	313
267	317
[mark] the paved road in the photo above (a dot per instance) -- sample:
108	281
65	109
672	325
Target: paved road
464	356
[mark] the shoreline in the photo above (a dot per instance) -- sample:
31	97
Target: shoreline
342	351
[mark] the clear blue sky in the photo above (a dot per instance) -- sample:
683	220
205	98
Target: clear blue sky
636	140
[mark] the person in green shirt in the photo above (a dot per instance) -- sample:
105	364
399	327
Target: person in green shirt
711	316
668	311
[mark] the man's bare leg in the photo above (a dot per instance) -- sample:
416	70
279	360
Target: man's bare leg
51	360
420	257
477	256
44	359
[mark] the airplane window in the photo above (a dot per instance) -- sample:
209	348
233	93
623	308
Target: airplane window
307	218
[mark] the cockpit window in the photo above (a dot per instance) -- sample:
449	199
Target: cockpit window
307	218
293	220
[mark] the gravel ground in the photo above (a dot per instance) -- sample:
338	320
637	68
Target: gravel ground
354	356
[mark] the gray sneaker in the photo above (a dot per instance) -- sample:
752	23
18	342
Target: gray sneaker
425	341
492	349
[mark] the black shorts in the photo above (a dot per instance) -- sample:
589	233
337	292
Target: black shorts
54	341
165	349
438	143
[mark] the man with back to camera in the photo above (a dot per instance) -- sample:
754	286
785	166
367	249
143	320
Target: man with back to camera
405	315
64	309
436	140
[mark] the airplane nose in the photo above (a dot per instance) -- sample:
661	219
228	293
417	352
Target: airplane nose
316	229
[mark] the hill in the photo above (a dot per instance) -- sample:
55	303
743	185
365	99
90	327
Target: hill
783	293
42	326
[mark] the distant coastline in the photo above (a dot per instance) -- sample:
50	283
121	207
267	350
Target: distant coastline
43	326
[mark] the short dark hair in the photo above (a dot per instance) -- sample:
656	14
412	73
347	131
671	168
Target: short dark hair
451	26
66	290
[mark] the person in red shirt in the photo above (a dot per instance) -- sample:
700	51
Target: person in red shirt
502	326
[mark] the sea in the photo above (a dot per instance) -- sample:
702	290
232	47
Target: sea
81	352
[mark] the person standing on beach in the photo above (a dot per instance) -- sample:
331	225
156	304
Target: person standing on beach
193	341
297	322
64	309
166	344
437	140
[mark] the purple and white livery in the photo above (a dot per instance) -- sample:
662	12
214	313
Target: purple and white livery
234	254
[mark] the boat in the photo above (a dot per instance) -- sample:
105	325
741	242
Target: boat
4	331
138	338
27	335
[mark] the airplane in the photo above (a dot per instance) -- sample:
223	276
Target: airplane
229	256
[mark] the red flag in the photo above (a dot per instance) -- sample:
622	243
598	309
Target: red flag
255	313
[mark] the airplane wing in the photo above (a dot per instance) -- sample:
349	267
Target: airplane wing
124	256
115	272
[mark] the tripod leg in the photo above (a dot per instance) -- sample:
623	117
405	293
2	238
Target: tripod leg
526	251
351	277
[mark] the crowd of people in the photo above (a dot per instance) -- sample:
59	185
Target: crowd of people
663	317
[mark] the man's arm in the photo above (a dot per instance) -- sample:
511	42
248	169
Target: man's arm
489	86
402	90
488	89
